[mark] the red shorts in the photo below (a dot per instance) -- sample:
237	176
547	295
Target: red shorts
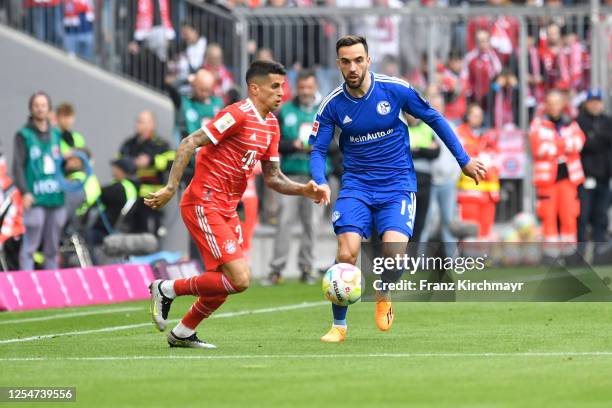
218	238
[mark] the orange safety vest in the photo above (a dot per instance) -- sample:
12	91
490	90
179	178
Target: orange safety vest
483	147
550	147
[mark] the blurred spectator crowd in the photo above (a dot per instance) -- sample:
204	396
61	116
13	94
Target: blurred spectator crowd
475	59
474	82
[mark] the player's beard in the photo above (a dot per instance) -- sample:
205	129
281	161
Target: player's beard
358	84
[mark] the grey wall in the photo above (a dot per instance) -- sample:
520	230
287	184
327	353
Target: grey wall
106	105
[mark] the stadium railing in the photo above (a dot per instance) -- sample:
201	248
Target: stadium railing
420	37
113	33
306	36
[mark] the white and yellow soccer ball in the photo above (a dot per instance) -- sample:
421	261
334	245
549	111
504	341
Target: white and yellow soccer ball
342	284
526	225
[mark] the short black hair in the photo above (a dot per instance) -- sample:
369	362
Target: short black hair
261	68
349	40
305	74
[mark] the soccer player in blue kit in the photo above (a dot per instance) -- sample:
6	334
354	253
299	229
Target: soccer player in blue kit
379	181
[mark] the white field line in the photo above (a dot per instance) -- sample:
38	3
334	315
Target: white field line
322	355
75	314
139	325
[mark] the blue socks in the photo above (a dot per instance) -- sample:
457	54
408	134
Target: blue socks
339	313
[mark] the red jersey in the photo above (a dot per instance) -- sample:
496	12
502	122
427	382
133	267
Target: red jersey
504	32
578	63
555	67
240	139
41	3
453	88
479	70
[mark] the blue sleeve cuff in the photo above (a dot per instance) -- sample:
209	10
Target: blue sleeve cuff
319	180
463	160
317	166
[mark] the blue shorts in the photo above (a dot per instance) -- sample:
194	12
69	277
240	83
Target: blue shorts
356	211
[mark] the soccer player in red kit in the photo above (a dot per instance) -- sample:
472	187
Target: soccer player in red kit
239	137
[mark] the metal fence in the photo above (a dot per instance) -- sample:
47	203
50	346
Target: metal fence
111	41
306	36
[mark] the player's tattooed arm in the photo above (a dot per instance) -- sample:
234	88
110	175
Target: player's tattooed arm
184	153
277	181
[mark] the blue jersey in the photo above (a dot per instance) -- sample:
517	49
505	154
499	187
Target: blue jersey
374	135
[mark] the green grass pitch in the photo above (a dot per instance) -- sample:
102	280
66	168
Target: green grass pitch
436	355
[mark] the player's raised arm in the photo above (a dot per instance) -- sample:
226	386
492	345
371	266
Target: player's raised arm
184	153
415	105
278	181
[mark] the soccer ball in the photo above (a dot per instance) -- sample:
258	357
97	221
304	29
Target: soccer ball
342	284
526	226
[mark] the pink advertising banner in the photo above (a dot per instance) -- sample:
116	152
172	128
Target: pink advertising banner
26	290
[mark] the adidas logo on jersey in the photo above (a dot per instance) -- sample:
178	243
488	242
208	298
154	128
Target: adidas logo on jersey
346	120
253	136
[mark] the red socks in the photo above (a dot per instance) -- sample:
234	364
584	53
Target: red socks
201	309
208	284
212	289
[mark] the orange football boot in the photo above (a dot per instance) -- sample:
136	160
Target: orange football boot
383	314
336	334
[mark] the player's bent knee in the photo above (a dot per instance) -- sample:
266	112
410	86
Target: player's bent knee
345	256
241	279
241	283
238	273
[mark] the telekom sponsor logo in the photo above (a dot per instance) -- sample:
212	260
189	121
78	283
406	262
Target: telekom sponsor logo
105	284
144	273
39	289
84	283
63	288
126	283
26	290
14	289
